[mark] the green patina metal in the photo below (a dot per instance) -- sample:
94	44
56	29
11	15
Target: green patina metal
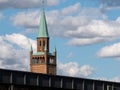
43	31
39	53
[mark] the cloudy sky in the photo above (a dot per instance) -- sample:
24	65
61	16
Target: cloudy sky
86	34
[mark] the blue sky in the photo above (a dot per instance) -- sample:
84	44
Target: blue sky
85	32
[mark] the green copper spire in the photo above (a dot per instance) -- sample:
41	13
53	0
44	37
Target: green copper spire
43	31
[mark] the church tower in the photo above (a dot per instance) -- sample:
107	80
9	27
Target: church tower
43	61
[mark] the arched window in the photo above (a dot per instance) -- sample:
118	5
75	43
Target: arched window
40	43
34	61
43	43
51	61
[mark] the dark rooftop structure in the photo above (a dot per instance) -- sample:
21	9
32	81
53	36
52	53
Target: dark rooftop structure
19	80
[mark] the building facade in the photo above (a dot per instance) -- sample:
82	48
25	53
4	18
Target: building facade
43	61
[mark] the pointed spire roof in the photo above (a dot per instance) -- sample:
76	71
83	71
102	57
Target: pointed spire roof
55	50
45	48
31	49
43	30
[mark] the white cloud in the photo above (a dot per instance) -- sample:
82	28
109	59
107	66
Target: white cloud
97	28
20	40
4	49
110	51
73	69
71	9
118	20
26	19
116	79
14	53
95	32
109	4
52	2
81	29
5	4
64	22
1	40
87	41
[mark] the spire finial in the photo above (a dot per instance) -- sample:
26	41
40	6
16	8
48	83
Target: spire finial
30	46
55	50
31	49
43	3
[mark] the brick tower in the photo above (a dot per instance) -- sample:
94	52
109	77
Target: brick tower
43	61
